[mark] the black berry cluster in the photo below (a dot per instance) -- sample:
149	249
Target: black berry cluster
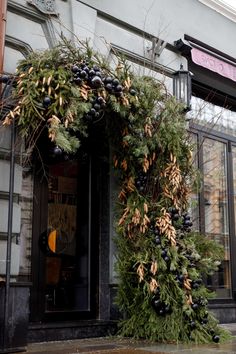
174	214
201	318
164	254
196	283
187	223
182	222
160	306
179	278
83	72
156	232
192	259
113	86
97	108
141	181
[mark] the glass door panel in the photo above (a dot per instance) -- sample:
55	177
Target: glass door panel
216	210
67	259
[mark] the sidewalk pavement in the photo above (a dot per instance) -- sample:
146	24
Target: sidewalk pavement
117	345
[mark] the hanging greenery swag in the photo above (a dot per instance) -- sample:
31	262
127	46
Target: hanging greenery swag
161	262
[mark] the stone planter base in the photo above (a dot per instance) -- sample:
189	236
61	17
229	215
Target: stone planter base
17	326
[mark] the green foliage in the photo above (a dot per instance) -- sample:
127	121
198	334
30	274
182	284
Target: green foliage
160	262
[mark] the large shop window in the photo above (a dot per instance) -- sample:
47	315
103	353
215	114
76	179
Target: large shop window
214	129
216	209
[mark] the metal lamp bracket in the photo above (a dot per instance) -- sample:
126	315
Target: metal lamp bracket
158	45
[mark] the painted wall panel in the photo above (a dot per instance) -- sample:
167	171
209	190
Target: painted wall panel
4	217
12	57
26	30
171	19
83	20
5	176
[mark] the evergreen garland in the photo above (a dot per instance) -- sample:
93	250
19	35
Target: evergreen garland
160	261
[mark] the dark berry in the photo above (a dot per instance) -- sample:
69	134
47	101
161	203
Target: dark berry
119	94
187	217
97	106
92	72
119	88
92	111
158	240
100	100
75	69
195	306
161	312
115	82
109	87
108	80
192	324
188	223
156	303
195	285
96	68
46	101
163	253
86	68
77	80
57	151
175	217
132	92
83	74
216	339
96	81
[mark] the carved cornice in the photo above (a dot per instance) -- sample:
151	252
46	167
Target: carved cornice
221	7
47	7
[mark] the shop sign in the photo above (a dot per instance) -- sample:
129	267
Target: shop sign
212	63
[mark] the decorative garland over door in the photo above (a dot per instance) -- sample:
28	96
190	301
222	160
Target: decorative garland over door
161	262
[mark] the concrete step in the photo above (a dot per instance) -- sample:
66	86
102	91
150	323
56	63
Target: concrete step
229	326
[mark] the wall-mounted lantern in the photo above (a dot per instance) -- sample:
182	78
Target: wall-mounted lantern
182	87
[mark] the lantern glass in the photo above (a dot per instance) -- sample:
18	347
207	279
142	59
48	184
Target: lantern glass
182	87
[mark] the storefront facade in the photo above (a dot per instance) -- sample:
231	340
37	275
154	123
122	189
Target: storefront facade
70	290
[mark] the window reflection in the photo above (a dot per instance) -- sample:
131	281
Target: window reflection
212	116
216	210
194	196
